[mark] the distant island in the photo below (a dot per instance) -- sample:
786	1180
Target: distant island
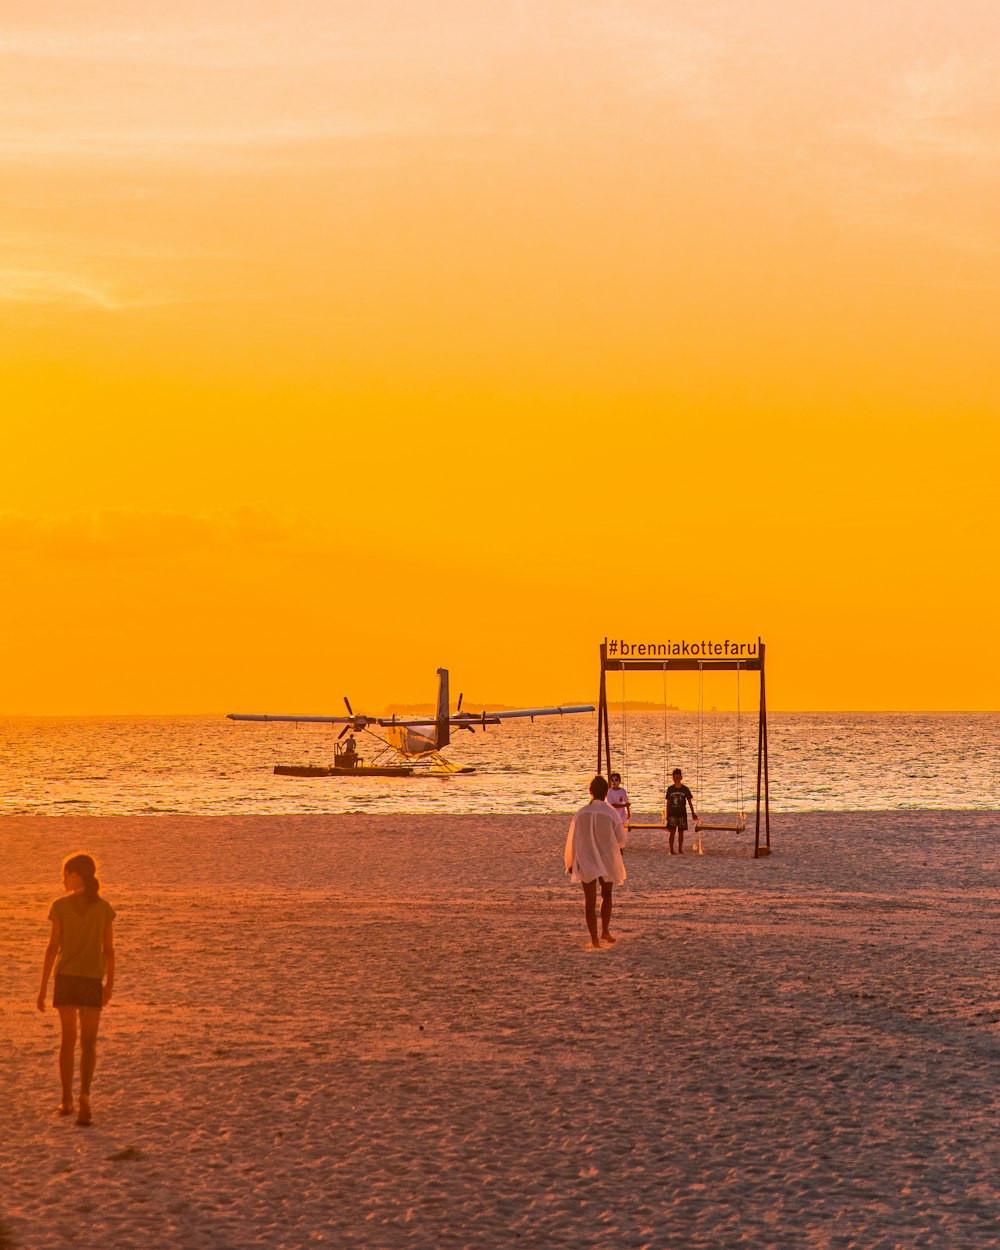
642	705
470	705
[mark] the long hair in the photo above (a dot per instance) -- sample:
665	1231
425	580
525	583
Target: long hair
85	867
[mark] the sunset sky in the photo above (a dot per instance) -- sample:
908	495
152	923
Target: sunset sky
345	340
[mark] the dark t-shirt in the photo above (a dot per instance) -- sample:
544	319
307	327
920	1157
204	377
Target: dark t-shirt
677	798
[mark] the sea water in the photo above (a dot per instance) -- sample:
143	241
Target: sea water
213	766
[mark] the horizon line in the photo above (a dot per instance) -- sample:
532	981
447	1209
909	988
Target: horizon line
807	711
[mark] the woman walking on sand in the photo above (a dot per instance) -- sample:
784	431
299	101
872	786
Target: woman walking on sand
593	854
82	949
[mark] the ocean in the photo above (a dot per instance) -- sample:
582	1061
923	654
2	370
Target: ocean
111	766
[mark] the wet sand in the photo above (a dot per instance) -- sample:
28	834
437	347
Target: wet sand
388	1031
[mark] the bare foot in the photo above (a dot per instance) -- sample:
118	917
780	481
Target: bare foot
65	1108
606	937
84	1115
594	946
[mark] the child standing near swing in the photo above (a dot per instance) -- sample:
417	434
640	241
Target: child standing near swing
618	798
679	798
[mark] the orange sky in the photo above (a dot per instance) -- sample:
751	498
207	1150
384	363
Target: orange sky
340	342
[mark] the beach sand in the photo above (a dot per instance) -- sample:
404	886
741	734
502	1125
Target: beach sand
388	1031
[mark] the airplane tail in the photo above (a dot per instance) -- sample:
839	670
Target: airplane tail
442	721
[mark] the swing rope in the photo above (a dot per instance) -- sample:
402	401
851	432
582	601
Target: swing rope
624	733
740	813
701	736
663	785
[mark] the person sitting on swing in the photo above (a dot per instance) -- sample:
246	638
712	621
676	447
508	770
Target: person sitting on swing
618	798
678	799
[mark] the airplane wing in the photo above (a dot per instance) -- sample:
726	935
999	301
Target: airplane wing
487	718
387	721
494	718
311	720
459	718
359	721
566	710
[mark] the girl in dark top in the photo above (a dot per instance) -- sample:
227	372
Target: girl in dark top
81	947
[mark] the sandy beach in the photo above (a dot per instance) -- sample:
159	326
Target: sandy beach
388	1031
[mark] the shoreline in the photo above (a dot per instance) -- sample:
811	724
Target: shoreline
785	816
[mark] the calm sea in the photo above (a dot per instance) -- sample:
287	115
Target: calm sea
211	766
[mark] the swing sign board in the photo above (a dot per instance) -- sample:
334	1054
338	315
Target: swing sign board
702	653
702	648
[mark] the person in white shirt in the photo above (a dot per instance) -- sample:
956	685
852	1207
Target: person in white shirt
618	798
593	853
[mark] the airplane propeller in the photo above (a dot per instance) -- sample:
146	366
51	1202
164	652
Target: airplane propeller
470	719
358	725
458	712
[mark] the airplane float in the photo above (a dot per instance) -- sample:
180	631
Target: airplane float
412	746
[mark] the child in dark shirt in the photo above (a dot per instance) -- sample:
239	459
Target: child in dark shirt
679	797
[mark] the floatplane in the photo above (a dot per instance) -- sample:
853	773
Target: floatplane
408	747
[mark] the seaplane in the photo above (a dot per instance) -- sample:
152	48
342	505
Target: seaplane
407	747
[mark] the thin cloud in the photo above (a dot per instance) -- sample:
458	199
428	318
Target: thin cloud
185	46
298	41
42	286
870	134
238	46
130	534
948	110
239	145
921	163
253	91
675	57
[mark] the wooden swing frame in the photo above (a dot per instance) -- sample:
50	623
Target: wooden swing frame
751	664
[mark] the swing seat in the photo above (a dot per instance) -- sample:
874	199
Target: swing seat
740	827
631	824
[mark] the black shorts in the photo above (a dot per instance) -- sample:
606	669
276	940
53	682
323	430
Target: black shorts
677	822
78	991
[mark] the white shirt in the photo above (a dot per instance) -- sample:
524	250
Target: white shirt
596	833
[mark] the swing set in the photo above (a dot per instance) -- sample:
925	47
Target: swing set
748	664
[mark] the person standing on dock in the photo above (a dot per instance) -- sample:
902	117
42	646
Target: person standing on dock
593	854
